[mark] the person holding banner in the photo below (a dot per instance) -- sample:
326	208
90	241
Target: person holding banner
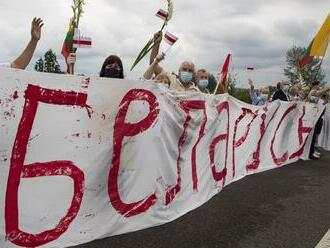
112	68
257	98
314	97
22	61
282	91
161	78
202	80
184	81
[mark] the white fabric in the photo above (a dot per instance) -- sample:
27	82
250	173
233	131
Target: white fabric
324	137
87	158
5	65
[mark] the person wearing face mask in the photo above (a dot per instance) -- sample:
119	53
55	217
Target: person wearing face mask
184	80
202	80
112	68
261	98
282	91
314	97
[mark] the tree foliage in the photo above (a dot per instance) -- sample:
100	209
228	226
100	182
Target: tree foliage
309	73
48	63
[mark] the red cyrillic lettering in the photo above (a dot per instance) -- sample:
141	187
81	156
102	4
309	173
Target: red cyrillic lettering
123	129
18	170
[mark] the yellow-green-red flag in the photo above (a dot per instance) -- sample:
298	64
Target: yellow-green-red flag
319	45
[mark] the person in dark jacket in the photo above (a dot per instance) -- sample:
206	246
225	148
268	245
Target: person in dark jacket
281	92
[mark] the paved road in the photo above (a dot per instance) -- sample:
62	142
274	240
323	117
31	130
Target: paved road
283	208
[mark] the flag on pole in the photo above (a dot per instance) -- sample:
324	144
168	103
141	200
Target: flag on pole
80	41
162	14
319	45
224	71
68	42
170	38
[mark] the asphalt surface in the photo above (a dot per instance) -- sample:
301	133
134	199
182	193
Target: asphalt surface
287	207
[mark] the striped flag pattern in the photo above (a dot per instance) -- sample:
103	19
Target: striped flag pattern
162	14
170	38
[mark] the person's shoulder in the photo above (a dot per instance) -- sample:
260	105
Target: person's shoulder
5	65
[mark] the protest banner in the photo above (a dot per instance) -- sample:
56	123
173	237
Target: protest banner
83	158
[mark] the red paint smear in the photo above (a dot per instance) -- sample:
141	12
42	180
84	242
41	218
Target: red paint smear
103	116
123	129
301	131
187	106
18	170
241	140
254	165
222	137
284	157
76	135
89	135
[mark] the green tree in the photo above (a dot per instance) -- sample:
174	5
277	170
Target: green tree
48	63
39	66
309	73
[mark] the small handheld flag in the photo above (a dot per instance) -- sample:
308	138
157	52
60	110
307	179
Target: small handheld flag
162	14
170	38
80	41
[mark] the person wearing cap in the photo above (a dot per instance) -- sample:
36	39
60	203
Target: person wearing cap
22	61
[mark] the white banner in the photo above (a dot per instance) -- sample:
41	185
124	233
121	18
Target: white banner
87	158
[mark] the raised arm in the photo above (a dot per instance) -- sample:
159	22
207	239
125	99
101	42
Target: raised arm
24	59
154	52
151	70
250	82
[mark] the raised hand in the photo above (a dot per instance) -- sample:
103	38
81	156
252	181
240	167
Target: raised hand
158	37
36	26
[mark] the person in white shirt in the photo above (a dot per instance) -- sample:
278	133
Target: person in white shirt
22	61
184	81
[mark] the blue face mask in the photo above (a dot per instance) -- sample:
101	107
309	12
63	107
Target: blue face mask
186	76
264	97
112	73
203	83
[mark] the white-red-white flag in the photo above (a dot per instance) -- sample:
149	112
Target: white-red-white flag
163	14
81	41
170	38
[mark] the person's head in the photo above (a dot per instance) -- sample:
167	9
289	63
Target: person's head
202	78
112	68
187	72
264	93
264	90
285	87
163	78
316	85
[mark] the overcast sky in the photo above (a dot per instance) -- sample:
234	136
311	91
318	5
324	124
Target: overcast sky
257	32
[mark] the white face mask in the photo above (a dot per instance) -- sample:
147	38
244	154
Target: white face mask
163	87
314	99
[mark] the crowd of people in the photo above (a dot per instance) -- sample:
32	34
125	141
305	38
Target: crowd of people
300	91
190	79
